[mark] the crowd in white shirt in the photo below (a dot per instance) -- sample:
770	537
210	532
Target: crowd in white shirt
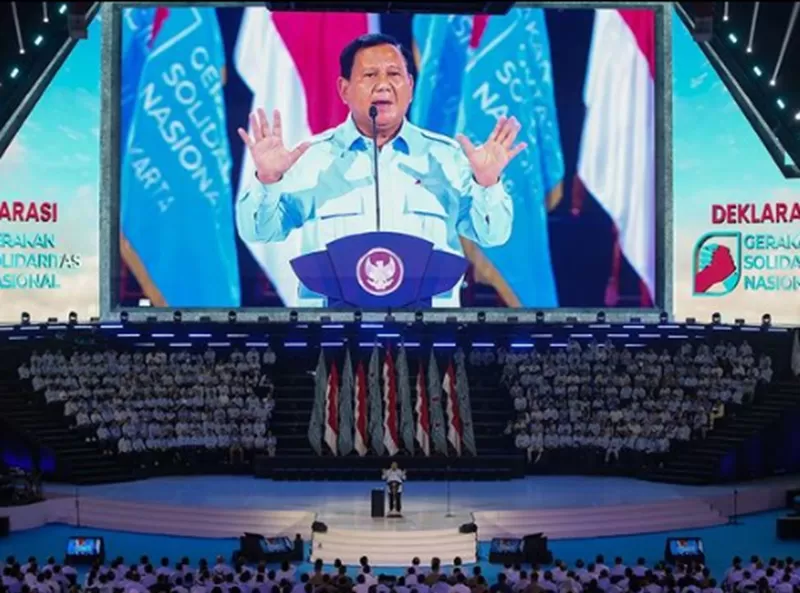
614	401
154	403
756	576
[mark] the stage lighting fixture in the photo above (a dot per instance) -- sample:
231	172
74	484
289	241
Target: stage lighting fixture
663	317
177	316
691	320
540	317
716	318
205	319
151	319
481	316
123	317
357	316
572	319
419	316
263	319
601	317
73	318
52	320
325	319
231	316
512	319
739	321
293	316
766	320
451	319
25	318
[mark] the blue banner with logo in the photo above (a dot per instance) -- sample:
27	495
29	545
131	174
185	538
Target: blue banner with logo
506	73
176	199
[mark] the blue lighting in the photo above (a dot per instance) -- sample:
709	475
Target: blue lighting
733	38
444	344
757	70
371	326
199	335
333	326
296	344
180	344
483	344
388	335
329	344
781	104
129	335
257	344
522	345
219	344
162	335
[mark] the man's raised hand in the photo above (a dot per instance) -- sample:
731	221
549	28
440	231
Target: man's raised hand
271	157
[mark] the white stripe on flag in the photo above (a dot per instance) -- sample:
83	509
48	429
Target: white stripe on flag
617	157
265	65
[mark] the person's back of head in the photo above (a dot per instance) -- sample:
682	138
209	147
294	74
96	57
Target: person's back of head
361	579
367	569
420	579
285	566
271	575
308	588
234	589
165	562
501	578
401	581
579	564
216	589
363	561
179	581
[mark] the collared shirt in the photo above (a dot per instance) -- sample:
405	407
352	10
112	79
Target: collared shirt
427	190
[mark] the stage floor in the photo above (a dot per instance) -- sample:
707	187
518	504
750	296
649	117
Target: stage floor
352	498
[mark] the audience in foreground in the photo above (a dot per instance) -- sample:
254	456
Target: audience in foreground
757	576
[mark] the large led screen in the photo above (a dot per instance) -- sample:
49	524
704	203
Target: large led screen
737	219
516	161
49	178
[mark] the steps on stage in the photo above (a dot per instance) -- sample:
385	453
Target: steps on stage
394	542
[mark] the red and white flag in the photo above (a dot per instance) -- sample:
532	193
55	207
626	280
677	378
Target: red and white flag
423	429
617	157
290	62
332	410
360	441
390	439
454	430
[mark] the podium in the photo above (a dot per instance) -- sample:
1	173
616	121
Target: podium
380	270
378	503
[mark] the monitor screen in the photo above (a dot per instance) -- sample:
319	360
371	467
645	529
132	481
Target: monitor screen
84	546
691	546
278	545
506	546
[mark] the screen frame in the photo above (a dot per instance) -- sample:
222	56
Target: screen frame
110	153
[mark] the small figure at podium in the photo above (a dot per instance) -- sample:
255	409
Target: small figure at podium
394	478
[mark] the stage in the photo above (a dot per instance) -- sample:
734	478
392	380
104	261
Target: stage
560	507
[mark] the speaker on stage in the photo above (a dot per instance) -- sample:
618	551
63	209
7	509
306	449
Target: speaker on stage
378	503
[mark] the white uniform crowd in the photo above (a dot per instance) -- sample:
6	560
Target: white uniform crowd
615	401
756	576
150	404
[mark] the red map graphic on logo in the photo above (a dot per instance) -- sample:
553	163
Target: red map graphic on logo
718	270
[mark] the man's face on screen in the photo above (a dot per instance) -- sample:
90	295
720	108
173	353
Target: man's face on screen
380	76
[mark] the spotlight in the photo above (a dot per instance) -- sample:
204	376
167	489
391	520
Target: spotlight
766	320
691	320
357	316
25	318
739	321
601	317
73	318
231	316
52	320
419	316
123	317
293	316
663	317
540	317
177	316
481	316
716	318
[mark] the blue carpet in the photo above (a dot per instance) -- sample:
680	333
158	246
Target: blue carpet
754	535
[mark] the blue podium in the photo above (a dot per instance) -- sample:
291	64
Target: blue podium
380	270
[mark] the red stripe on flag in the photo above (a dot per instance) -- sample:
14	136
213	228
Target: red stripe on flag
158	22
479	23
642	23
315	40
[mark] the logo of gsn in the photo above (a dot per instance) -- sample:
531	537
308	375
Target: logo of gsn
717	263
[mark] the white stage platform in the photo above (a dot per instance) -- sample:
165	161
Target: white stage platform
394	541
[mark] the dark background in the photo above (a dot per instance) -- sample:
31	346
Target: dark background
581	246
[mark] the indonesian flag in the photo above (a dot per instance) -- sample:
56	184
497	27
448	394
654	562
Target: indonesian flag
332	409
290	62
617	156
423	431
454	430
361	411
390	439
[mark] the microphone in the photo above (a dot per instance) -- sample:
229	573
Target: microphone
373	113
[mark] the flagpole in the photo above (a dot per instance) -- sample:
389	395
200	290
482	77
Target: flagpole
448	512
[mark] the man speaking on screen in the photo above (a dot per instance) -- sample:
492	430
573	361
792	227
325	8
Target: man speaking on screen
431	186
